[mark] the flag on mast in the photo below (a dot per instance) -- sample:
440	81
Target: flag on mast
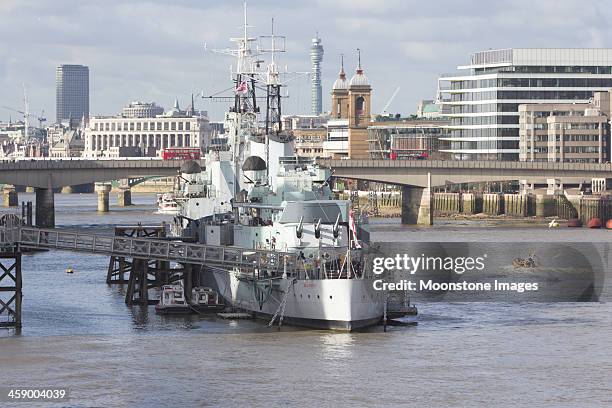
354	241
242	88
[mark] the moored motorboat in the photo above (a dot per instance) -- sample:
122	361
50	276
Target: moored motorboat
172	301
204	299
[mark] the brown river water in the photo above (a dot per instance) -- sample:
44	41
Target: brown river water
79	334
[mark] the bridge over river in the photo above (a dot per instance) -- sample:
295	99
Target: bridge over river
417	177
48	174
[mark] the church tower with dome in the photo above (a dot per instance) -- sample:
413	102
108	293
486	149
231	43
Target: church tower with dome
359	94
340	96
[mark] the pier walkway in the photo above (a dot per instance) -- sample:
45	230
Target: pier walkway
273	262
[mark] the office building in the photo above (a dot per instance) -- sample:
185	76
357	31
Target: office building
483	101
71	92
175	128
562	132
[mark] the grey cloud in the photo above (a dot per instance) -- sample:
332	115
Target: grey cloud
153	49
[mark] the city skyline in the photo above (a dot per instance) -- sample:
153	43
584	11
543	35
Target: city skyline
143	59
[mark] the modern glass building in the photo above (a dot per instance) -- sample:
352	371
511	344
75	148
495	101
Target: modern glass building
483	101
71	92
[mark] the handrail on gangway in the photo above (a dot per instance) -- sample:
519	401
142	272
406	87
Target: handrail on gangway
148	248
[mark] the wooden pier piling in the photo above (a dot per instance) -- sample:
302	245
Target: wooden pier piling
10	288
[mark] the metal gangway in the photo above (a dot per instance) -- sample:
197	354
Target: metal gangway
252	261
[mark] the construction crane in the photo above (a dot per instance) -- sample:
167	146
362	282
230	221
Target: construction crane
26	114
384	109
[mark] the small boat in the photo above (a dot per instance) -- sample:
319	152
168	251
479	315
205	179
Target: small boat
574	223
205	299
69	270
172	301
594	223
529	262
166	204
553	224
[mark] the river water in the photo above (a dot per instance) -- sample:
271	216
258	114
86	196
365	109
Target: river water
79	334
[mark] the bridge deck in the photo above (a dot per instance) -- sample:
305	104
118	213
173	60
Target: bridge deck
146	248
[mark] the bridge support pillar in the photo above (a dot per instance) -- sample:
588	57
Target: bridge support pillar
417	206
545	205
9	196
45	208
124	197
103	191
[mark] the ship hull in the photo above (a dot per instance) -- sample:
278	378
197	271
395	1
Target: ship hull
331	304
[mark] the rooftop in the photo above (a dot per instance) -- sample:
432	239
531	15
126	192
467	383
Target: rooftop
541	56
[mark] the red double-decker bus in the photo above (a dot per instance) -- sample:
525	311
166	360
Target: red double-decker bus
181	153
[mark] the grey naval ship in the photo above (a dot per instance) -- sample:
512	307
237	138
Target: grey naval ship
253	192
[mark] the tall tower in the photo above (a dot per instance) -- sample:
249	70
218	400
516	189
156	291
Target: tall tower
71	92
359	93
340	104
316	57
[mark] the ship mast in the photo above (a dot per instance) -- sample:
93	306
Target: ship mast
273	94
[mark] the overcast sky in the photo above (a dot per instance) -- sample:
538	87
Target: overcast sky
153	50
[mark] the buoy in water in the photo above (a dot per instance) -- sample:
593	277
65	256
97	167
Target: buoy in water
69	270
594	223
609	224
574	222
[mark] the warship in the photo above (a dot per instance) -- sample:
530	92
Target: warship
253	192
